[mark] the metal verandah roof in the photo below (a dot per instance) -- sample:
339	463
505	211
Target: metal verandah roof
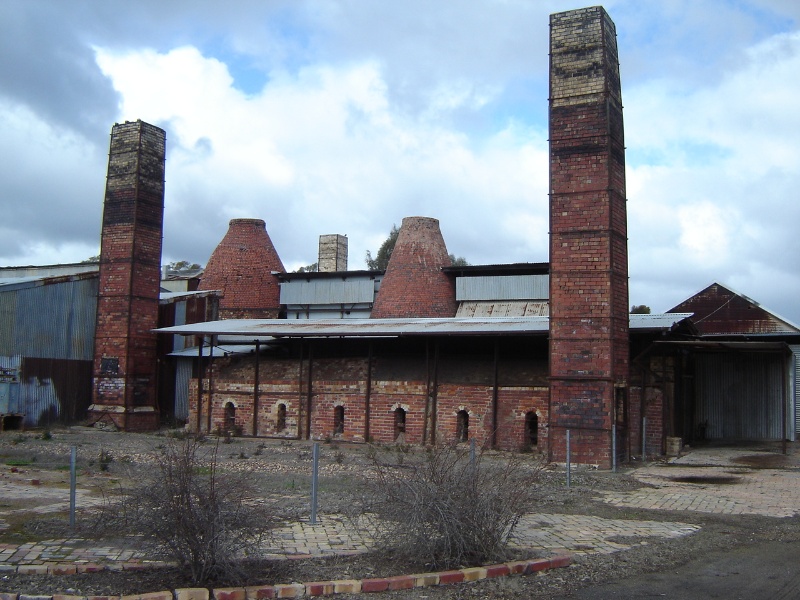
396	327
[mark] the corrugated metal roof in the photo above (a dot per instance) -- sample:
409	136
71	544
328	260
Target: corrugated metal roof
395	327
657	321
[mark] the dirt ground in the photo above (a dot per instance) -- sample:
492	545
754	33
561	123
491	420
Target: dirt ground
731	556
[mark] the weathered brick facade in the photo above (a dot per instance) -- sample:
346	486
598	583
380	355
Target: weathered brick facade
414	284
242	268
130	274
429	392
589	355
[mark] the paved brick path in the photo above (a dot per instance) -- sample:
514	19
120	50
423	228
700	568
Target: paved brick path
712	481
770	492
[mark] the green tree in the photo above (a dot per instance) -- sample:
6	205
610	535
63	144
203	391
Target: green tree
640	309
384	253
312	268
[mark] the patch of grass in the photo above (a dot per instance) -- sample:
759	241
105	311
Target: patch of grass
20	462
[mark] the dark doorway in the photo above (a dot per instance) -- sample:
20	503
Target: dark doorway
399	424
280	420
531	429
462	426
338	420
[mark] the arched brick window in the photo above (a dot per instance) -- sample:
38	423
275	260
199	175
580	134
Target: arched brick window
338	420
230	417
399	423
462	426
531	429
280	418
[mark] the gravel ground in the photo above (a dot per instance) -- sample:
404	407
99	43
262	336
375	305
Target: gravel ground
282	470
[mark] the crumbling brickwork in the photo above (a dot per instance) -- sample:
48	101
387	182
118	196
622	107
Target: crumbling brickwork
414	284
369	404
130	273
242	267
589	352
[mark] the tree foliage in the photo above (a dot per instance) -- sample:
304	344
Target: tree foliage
384	253
640	309
312	268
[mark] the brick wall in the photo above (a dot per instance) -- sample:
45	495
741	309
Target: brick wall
588	234
130	271
342	382
242	268
414	284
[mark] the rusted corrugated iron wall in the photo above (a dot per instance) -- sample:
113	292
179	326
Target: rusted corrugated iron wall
739	395
56	320
55	390
47	334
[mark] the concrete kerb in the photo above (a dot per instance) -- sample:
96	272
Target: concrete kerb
330	588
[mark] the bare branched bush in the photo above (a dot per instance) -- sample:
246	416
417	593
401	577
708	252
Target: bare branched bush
441	509
196	515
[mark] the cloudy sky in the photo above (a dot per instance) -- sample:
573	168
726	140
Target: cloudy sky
344	116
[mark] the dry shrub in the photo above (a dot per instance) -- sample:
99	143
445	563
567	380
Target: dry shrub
196	515
440	509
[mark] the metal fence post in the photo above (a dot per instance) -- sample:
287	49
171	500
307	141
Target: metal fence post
569	469
614	448
644	440
314	483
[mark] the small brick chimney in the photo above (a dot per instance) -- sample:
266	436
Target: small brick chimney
332	253
414	284
242	268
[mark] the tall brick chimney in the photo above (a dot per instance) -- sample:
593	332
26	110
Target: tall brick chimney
242	267
589	355
130	273
414	284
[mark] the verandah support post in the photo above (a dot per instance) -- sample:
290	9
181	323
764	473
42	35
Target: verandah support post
495	392
368	394
210	381
200	384
309	390
255	391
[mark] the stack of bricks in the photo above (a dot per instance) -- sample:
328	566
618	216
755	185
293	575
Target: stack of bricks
414	285
130	274
589	355
243	268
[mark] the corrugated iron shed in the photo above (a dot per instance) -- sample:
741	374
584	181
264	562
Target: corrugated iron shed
51	317
719	310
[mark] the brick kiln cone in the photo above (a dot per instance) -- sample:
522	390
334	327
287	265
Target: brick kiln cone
242	268
414	284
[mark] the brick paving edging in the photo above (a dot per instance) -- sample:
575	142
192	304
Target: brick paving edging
322	588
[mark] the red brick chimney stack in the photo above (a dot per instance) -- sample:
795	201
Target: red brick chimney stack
589	354
125	366
242	268
414	284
